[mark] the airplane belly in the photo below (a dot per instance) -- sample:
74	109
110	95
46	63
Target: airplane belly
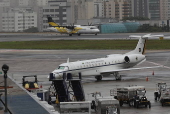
85	31
90	72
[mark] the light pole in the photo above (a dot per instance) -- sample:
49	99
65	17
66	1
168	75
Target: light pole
5	68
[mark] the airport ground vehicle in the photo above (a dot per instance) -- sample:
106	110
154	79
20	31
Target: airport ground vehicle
162	93
160	87
105	105
134	96
29	85
165	97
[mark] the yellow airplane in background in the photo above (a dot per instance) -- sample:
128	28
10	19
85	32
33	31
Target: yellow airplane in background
71	29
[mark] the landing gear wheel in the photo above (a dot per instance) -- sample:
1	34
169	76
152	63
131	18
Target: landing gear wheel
95	33
99	78
70	34
118	77
79	34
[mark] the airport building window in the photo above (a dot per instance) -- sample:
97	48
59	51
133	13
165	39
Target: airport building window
46	10
51	10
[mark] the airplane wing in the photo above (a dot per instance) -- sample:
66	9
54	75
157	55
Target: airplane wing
118	70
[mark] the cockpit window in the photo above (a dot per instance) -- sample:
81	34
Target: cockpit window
61	67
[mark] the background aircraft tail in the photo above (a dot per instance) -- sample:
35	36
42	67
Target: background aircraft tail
51	21
140	48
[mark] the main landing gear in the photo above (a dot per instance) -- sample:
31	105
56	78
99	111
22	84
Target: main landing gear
117	76
99	78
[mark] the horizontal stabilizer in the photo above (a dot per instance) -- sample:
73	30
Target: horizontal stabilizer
145	36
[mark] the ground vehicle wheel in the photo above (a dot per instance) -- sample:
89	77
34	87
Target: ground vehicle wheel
146	106
93	105
156	96
149	105
162	104
131	103
121	103
99	78
134	104
137	105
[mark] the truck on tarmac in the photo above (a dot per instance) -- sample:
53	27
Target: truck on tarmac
162	94
133	96
105	105
160	88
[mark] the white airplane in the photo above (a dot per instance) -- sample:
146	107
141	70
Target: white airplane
111	64
71	29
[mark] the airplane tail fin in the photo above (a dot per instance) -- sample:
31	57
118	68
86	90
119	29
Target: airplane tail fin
140	48
51	21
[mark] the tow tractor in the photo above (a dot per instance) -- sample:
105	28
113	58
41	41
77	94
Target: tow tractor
30	85
133	96
105	105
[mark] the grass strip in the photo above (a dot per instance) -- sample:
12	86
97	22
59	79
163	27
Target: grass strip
84	44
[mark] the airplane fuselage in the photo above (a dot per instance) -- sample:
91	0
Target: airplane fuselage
100	66
78	30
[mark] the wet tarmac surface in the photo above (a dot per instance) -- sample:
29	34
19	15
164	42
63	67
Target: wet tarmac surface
42	62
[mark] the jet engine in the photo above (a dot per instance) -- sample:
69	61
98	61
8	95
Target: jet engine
134	58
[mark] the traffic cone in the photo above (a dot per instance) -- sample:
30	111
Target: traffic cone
147	78
153	73
41	86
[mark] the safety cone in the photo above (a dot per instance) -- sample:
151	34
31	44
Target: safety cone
147	78
41	86
153	73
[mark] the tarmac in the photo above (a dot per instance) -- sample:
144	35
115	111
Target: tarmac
42	62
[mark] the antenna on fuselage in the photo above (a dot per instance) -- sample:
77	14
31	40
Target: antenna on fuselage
68	60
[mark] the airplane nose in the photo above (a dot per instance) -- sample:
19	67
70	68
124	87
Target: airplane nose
97	30
54	76
57	75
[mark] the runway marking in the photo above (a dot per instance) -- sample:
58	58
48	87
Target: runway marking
159	65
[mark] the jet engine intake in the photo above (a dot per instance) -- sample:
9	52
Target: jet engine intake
127	60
